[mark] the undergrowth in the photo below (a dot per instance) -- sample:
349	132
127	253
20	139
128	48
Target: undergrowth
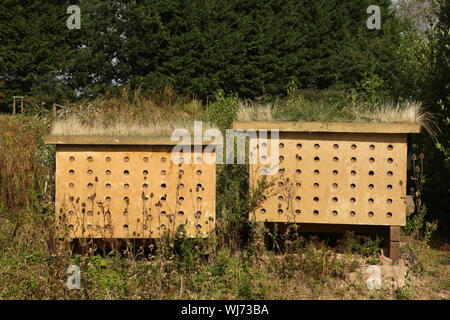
232	264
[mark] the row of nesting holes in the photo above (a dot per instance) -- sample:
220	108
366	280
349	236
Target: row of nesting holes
335	185
334	212
335	146
127	172
127	159
335	159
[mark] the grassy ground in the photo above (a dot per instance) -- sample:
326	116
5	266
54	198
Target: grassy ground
232	265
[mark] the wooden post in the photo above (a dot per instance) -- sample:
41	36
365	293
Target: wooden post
391	245
14	105
54	110
21	105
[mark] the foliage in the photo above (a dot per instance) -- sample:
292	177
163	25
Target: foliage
195	47
223	110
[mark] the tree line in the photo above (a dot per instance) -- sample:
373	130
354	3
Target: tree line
252	47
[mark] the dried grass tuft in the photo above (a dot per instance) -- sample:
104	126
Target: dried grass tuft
74	126
256	112
408	112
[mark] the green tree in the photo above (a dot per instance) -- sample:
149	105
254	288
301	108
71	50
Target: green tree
34	49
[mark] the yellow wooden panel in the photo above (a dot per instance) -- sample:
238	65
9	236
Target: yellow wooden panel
336	178
131	191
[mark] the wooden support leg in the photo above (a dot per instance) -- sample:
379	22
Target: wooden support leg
392	242
268	241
